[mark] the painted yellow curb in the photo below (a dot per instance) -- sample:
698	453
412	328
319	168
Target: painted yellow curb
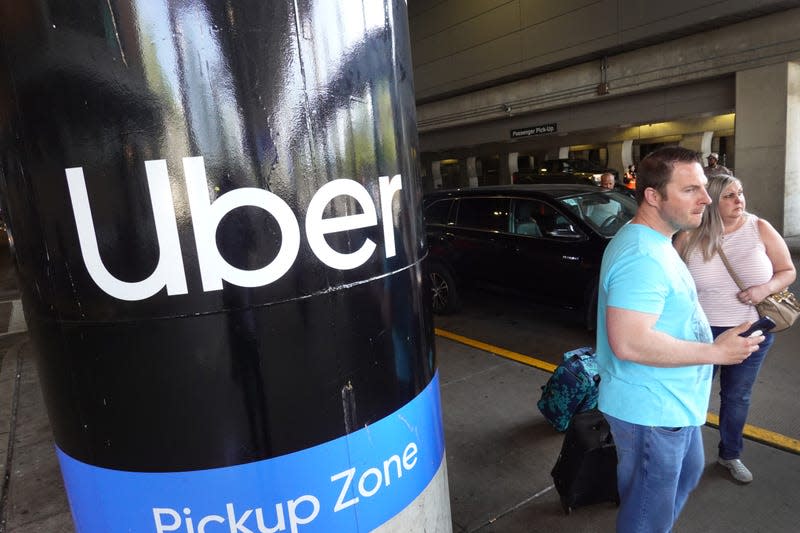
765	436
502	352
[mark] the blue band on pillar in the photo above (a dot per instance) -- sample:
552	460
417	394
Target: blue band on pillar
353	483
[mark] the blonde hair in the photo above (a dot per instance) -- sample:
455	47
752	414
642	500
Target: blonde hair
708	236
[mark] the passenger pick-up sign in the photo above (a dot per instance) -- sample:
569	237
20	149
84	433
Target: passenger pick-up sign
541	129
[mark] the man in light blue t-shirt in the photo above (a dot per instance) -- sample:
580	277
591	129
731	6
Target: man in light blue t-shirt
654	346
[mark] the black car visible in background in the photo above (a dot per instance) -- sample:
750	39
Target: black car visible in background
532	176
545	241
580	168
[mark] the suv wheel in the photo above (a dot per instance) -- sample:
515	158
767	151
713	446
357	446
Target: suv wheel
444	295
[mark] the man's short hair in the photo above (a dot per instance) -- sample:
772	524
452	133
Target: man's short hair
655	170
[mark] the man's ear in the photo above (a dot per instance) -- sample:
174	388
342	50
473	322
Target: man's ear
652	196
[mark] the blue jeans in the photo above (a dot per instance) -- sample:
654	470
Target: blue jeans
736	384
657	468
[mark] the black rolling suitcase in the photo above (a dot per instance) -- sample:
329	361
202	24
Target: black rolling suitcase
586	469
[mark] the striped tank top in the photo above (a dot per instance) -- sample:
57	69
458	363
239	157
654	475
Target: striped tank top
716	289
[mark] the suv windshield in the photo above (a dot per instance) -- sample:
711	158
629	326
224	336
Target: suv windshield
605	211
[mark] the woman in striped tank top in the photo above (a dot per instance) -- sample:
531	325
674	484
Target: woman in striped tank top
761	259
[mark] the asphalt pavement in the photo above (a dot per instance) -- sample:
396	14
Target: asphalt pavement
499	448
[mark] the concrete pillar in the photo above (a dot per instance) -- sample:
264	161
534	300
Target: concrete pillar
503	171
791	199
705	143
463	179
513	166
699	142
616	157
627	154
767	137
436	172
472	173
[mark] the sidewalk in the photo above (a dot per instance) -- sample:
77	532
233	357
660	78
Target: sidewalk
32	499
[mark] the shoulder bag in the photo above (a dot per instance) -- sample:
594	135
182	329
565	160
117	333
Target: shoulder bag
782	307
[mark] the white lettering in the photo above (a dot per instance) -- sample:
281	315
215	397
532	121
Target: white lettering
189	523
340	503
386	474
372	479
238	525
201	526
362	482
280	525
317	227
207	216
160	526
169	271
388	189
410	456
300	511
294	518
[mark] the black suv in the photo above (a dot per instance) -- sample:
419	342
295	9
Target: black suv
544	241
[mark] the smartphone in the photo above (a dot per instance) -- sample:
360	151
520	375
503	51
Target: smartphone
760	326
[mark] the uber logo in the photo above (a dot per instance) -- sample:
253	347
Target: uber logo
206	216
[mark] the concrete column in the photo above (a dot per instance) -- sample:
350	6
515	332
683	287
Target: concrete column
698	142
616	157
767	137
505	170
626	152
463	179
436	172
513	166
472	174
791	199
705	143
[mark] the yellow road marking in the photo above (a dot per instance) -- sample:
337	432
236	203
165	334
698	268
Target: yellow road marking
502	352
762	435
751	432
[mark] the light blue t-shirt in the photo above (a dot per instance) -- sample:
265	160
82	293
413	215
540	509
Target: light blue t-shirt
641	271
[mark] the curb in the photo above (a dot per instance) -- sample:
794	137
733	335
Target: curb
10	374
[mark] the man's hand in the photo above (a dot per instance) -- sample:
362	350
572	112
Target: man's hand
731	349
648	346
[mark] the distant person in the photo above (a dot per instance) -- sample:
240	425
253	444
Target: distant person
714	168
629	180
762	261
655	347
607	180
599	213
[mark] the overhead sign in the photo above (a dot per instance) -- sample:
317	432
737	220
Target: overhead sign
542	129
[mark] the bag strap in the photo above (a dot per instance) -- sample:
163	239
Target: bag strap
587	397
730	270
